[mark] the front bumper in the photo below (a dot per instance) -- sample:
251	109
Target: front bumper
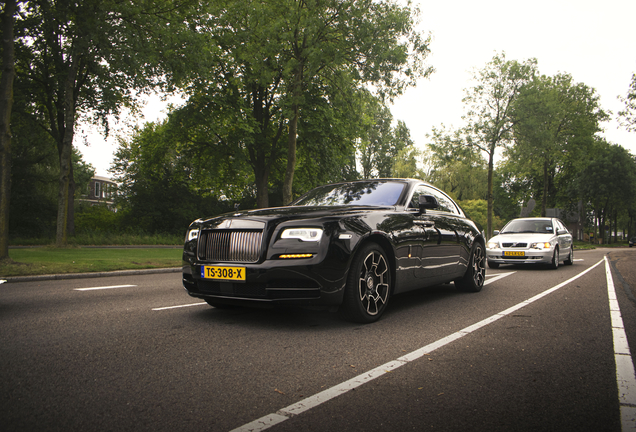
293	282
530	256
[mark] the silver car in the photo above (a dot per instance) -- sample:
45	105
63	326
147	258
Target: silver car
531	241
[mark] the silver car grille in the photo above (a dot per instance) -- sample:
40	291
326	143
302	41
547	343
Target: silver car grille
514	245
230	246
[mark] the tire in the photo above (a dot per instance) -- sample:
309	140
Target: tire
570	259
493	265
555	259
475	276
368	286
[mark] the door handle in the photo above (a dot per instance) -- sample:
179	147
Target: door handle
427	224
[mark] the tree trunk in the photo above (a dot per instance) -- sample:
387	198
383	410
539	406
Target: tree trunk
291	156
6	104
65	154
544	199
491	164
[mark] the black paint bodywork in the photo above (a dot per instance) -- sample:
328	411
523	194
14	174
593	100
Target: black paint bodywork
423	247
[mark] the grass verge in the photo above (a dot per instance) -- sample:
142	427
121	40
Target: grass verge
47	260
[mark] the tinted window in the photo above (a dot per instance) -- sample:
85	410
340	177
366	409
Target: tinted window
539	226
445	203
373	193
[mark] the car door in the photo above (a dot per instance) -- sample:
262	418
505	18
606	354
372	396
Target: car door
564	237
440	254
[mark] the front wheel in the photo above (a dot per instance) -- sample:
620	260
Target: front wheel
555	259
368	286
475	276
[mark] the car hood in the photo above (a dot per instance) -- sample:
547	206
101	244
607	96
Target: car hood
289	213
522	238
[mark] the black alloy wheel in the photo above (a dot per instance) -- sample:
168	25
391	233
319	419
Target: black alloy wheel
475	276
368	286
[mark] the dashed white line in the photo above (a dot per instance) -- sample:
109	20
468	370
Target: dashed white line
104	287
178	306
625	376
286	413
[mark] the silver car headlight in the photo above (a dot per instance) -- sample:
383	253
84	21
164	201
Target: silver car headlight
492	245
541	245
303	234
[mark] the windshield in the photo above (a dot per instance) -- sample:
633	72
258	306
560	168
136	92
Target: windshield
538	226
371	193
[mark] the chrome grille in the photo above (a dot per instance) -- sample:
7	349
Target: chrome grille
227	246
514	245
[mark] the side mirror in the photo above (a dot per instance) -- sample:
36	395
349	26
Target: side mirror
427	202
495	232
561	232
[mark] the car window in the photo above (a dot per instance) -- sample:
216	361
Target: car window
372	193
445	203
538	226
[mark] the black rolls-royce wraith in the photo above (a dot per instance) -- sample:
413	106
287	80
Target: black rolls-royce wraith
349	246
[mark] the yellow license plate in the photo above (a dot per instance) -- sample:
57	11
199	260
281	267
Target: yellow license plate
513	253
225	273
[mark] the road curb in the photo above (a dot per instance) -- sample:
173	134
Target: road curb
90	275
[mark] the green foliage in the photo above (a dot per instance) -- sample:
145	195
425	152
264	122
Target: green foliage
628	115
608	182
489	105
456	167
380	143
555	125
477	210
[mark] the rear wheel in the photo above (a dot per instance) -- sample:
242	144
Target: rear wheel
570	258
368	286
475	276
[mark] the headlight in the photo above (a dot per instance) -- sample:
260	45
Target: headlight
192	234
303	234
492	245
541	245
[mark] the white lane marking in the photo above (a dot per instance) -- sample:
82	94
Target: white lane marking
286	413
625	376
179	306
104	287
496	277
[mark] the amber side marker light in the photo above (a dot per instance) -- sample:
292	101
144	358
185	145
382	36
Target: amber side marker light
286	256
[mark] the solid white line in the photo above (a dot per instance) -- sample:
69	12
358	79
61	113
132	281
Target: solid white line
270	420
103	288
179	306
625	376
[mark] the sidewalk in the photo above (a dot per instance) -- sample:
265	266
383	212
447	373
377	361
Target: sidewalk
13	279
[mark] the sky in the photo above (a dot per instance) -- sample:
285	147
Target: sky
593	41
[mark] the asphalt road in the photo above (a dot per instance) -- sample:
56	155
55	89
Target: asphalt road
126	358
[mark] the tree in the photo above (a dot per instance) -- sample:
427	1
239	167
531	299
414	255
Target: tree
270	57
87	58
489	105
6	104
608	182
628	115
380	144
555	122
455	166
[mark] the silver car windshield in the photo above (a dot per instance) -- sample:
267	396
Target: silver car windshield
539	226
372	193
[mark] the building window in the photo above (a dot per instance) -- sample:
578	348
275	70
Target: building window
97	190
